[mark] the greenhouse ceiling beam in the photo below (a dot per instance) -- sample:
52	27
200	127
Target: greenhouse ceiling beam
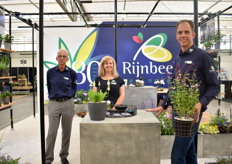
151	13
104	25
123	13
82	15
211	16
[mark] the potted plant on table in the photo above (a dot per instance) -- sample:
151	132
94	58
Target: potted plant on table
6	97
80	100
8	39
4	64
96	106
184	94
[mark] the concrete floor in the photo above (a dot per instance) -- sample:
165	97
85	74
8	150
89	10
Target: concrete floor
24	140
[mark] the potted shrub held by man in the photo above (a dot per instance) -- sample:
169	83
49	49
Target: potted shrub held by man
184	94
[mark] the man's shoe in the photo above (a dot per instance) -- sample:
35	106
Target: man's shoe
64	161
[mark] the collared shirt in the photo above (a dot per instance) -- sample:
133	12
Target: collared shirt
206	73
61	84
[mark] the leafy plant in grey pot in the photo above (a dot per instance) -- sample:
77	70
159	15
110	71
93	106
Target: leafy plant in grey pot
96	106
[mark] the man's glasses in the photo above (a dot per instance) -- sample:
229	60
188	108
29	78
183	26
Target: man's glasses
60	56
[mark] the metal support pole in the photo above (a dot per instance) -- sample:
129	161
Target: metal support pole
115	32
196	43
41	48
11	119
33	67
219	35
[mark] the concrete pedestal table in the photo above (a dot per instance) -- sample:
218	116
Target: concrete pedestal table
141	97
129	140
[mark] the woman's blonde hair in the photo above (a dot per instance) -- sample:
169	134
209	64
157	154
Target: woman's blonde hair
101	70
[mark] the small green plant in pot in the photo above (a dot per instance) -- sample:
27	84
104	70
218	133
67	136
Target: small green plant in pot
4	64
96	106
8	39
6	97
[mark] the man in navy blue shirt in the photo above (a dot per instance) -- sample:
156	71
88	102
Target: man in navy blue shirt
183	150
61	84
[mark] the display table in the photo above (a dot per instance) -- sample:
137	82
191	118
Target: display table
141	97
129	140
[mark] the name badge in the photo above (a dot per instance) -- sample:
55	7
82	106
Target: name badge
113	82
66	78
188	62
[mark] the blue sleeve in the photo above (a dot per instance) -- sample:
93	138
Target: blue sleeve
212	87
48	83
74	82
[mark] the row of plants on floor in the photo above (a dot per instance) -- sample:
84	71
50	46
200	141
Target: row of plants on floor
218	124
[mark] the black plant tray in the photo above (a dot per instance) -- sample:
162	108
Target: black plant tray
129	112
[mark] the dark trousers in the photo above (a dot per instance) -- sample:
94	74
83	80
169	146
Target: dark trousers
183	149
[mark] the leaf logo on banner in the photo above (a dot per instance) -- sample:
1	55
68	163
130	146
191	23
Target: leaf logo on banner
83	54
138	38
154	49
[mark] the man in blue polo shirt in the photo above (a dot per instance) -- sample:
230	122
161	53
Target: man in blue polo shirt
61	84
183	150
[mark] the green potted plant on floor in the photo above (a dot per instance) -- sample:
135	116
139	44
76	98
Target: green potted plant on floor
96	106
8	39
6	97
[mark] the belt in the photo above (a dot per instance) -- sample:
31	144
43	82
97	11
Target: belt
62	99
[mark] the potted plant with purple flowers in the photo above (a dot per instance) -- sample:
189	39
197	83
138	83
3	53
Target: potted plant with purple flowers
184	94
80	100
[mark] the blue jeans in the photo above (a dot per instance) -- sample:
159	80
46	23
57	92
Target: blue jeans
183	149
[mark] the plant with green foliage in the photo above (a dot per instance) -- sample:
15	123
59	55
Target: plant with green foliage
8	38
81	97
4	61
222	122
184	93
224	160
6	93
22	76
1	37
96	96
207	128
213	40
166	124
7	159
